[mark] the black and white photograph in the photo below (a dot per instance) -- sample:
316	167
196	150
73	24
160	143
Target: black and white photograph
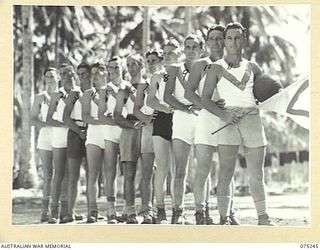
161	116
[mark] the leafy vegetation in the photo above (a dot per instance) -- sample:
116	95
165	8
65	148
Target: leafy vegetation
77	33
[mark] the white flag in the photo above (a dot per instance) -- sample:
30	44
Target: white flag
293	101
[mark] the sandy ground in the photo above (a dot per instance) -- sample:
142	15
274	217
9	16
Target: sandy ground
289	209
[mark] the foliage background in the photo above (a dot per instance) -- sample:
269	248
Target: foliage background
278	40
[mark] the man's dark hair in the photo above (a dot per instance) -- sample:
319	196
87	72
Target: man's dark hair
63	65
84	65
171	42
234	25
136	57
196	38
157	53
99	65
115	58
217	27
50	69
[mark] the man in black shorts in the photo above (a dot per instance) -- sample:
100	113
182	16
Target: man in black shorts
76	148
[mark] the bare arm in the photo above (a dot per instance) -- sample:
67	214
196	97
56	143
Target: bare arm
35	111
193	83
103	95
138	104
86	108
70	101
118	117
256	70
213	76
152	100
169	89
52	108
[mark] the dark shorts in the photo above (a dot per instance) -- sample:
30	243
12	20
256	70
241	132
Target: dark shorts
162	125
76	147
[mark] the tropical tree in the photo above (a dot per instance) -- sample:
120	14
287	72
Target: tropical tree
28	173
75	33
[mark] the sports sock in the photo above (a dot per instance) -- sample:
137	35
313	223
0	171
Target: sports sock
261	207
224	205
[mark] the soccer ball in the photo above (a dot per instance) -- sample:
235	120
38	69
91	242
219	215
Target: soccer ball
265	86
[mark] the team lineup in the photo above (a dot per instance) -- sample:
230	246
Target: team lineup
156	119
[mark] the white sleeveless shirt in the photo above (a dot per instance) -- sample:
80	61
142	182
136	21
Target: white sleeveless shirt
111	103
94	106
160	90
239	92
44	107
179	90
58	114
215	95
76	112
147	110
129	104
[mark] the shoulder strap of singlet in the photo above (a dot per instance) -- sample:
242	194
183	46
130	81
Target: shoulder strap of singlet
111	89
77	96
185	72
146	87
231	78
63	93
94	93
207	66
46	98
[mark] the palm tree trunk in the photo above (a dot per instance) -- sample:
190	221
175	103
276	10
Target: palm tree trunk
188	20
117	31
56	48
28	177
145	30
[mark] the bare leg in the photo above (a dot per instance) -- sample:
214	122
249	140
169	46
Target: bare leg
94	157
255	162
181	152
146	181
227	159
204	158
110	157
73	176
161	149
46	158
59	160
129	188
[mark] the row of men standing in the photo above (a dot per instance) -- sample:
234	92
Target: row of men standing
176	106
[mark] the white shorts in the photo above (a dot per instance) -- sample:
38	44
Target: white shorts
249	132
59	137
112	133
206	124
95	135
183	126
45	139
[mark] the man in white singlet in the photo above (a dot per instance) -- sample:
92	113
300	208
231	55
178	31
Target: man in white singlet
162	124
146	115
39	113
131	133
111	134
233	78
76	148
94	139
59	141
184	120
206	122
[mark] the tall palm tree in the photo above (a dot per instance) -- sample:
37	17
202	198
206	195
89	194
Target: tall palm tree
145	30
28	173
